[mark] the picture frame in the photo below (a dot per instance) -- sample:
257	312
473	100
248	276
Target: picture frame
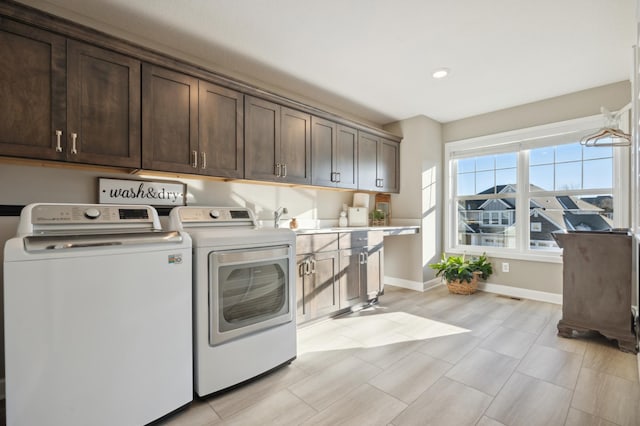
383	203
156	193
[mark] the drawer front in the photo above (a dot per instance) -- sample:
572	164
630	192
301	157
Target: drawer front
316	243
353	239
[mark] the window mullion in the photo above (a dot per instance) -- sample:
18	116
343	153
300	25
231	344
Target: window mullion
522	202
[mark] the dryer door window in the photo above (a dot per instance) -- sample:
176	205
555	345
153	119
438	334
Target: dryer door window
249	291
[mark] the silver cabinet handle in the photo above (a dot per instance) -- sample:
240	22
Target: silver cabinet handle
278	167
361	256
203	158
74	138
313	266
58	142
333	176
338	174
284	170
303	269
194	159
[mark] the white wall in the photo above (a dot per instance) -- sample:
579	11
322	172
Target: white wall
23	184
420	199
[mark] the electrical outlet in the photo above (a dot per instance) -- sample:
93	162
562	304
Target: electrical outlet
505	266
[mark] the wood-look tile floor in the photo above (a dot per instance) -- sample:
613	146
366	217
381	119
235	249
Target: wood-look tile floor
437	359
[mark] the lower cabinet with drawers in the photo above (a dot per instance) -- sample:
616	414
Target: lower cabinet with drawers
337	271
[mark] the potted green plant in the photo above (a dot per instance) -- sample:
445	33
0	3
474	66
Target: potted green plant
460	274
483	266
377	218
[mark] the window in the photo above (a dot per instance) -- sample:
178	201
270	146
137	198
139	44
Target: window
485	187
571	188
510	192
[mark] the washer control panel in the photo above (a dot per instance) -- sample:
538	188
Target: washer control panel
227	216
78	214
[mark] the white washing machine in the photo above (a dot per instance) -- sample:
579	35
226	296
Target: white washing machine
97	311
244	295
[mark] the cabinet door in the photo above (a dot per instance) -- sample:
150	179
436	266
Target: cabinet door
346	157
323	156
103	107
351	292
32	92
375	265
262	137
303	283
322	294
220	136
388	166
367	161
169	120
294	149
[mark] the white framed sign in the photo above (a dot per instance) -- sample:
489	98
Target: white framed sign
154	193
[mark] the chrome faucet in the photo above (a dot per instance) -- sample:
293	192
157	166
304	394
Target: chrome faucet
276	216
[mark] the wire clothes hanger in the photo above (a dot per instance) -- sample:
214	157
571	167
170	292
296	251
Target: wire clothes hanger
610	134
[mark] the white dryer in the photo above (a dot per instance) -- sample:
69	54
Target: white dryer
97	317
244	295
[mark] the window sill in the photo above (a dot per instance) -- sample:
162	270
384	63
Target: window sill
547	257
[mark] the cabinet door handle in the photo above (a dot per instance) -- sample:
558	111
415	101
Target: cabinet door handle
338	174
365	255
74	138
277	172
332	177
361	255
194	159
58	142
284	170
303	269
203	160
313	266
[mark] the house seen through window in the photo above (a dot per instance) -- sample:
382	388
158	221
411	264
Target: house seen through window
562	187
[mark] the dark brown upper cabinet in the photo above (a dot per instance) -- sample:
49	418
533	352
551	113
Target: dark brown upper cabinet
221	137
190	125
103	110
277	143
72	94
169	120
378	164
66	100
334	154
32	91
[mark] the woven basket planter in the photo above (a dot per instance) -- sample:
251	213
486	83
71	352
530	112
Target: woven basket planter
457	287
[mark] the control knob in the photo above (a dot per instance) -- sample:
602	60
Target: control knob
92	213
214	214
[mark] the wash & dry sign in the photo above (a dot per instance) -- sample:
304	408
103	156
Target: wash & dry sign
155	193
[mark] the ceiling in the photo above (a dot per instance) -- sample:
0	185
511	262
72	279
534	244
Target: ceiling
374	58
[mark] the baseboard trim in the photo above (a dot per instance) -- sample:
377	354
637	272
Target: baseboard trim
505	290
412	285
400	282
523	293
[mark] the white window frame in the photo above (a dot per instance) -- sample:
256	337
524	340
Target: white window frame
520	141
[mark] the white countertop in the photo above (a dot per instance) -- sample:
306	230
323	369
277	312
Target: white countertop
388	230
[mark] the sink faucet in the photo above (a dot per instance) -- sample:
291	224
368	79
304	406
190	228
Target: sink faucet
276	216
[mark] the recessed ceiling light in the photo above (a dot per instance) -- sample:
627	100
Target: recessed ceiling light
440	73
